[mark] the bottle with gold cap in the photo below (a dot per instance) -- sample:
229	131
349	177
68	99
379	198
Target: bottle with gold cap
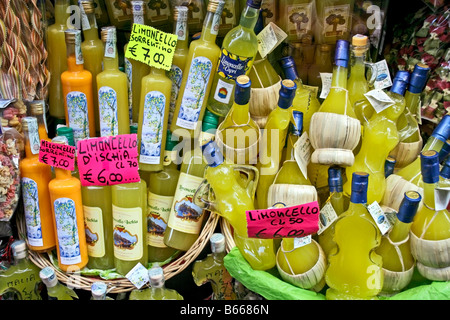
35	177
37	110
112	89
273	141
181	29
135	70
77	89
92	49
196	84
67	209
57	60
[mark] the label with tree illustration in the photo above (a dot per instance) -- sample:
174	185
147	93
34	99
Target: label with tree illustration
158	10
33	136
228	16
269	11
157	217
194	93
152	128
95	239
336	20
185	216
107	103
176	75
299	18
32	212
67	231
127	233
77	109
121	10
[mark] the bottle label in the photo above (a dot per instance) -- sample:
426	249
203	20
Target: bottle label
224	91
84	19
67	231
228	16
157	217
78	53
217	18
181	25
158	11
232	66
95	238
32	212
194	93
77	109
336	19
110	44
185	216
127	233
121	10
303	241
176	75
299	19
379	217
269	8
33	137
152	128
107	101
327	217
129	73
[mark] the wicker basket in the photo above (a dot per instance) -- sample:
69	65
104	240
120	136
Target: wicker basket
78	281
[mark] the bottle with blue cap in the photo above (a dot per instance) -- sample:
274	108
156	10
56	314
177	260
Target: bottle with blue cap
238	133
430	231
398	262
354	269
233	188
445	151
389	165
380	138
273	140
444	176
305	100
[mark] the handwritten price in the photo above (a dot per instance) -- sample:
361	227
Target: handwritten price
57	155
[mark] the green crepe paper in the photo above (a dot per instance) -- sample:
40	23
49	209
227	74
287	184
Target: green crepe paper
433	291
265	283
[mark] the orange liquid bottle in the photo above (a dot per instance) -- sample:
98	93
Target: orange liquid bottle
67	208
77	90
36	201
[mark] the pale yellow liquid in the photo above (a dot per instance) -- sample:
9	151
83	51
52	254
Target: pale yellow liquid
357	85
305	101
407	125
298	260
262	74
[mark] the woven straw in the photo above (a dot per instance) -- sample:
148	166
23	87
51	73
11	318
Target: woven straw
78	281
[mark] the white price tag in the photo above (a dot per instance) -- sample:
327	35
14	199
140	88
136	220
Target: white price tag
302	153
379	217
441	198
269	38
138	276
383	79
379	100
303	241
327	216
326	84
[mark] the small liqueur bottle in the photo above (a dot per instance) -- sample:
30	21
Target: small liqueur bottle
55	289
99	290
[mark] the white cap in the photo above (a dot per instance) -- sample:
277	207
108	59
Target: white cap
98	290
19	249
48	276
217	243
156	275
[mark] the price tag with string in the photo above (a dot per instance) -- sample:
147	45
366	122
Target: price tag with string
302	153
379	217
138	276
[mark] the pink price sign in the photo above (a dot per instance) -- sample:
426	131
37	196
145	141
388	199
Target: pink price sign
108	160
57	155
285	222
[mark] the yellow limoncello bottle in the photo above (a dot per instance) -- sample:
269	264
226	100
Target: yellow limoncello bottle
436	141
380	138
305	100
112	90
161	190
354	269
196	84
273	140
134	69
239	49
180	16
153	117
430	230
395	247
232	200
238	131
57	60
92	49
339	203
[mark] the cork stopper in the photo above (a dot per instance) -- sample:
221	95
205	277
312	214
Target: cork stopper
180	13
360	44
88	6
108	34
71	35
243	79
288	83
215	5
37	108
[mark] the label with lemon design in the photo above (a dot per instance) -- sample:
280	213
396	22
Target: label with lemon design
232	66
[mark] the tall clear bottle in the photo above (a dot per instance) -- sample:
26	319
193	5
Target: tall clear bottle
92	49
112	91
196	84
77	89
134	69
35	177
239	49
57	60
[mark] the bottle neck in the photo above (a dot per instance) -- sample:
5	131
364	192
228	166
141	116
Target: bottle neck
111	63
249	17
21	262
61	14
182	42
92	32
62	174
240	113
412	101
28	153
323	58
428	194
71	58
157	72
400	231
290	153
339	78
208	33
358	67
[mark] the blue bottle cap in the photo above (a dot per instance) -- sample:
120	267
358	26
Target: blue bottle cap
389	165
212	154
360	181
342	53
335	179
242	90
289	68
429	161
408	207
445	171
444	151
255	4
287	93
297	126
419	78
400	82
442	130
